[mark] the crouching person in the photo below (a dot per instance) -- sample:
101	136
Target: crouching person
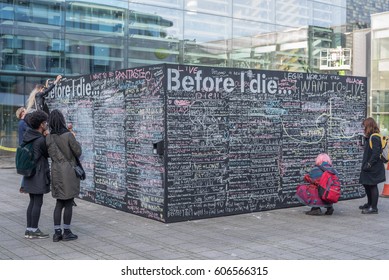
311	195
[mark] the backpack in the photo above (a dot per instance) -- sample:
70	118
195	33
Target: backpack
329	186
24	160
384	145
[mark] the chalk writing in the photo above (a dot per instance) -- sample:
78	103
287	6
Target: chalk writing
178	142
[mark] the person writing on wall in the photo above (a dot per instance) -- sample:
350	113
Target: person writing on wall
372	169
63	148
310	195
37	98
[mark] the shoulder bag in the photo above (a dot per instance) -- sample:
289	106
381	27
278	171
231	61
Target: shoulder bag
78	169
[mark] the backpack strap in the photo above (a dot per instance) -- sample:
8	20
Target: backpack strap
371	142
322	168
331	171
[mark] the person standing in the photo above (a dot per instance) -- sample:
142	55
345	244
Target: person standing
63	148
38	184
372	169
22	125
37	98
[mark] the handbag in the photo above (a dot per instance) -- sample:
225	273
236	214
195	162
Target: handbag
80	172
78	169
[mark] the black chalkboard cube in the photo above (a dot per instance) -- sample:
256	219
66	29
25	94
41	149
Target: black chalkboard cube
179	142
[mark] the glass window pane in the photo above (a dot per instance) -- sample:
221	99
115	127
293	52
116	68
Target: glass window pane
207	46
38	14
88	56
293	13
154	36
7	11
95	19
325	15
217	7
177	4
256	10
11	98
253	45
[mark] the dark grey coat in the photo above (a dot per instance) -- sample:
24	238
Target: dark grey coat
62	149
40	182
373	169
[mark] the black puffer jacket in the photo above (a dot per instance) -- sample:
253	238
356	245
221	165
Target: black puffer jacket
40	182
373	169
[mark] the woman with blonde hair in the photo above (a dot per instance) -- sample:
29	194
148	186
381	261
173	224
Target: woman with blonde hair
36	100
373	169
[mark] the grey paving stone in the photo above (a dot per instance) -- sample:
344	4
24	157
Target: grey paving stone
108	234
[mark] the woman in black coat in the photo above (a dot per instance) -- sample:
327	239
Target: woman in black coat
38	184
373	169
37	98
63	149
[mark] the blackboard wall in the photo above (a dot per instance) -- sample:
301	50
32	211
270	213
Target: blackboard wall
177	142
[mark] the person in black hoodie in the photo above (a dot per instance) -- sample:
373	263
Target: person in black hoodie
38	184
373	169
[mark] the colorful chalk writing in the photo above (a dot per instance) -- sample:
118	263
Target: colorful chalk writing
177	142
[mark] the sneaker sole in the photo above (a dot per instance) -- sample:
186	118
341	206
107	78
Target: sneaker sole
70	239
57	240
38	237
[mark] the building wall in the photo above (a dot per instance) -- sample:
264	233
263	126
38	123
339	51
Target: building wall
43	38
359	11
379	85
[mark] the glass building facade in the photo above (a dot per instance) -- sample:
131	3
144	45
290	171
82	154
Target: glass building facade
379	86
43	38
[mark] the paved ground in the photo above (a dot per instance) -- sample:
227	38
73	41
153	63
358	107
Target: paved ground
107	234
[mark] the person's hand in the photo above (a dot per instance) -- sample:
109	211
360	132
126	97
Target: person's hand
70	128
46	132
59	77
366	167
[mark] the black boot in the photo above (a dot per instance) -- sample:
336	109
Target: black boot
68	235
329	211
57	235
364	206
370	211
315	211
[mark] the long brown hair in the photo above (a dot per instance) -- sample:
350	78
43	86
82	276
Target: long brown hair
370	127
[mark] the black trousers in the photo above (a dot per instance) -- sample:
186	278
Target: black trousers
67	213
372	195
34	210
